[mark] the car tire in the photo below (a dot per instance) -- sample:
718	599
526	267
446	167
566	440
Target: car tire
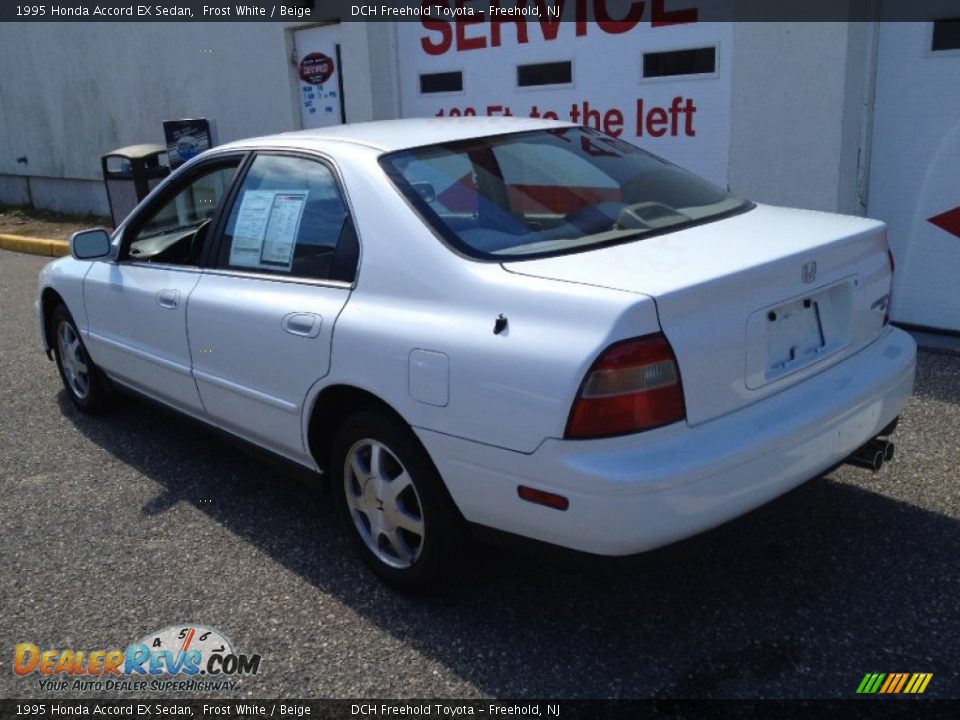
393	502
88	388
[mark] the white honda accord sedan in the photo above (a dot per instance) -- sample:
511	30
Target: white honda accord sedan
498	323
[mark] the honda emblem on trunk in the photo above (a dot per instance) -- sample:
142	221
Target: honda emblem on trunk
808	273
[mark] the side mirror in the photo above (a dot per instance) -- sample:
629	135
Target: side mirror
90	244
425	190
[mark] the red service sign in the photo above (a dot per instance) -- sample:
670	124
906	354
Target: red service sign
316	68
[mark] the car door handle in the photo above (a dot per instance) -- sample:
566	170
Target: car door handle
168	298
302	324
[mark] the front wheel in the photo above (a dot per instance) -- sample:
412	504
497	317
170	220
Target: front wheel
394	504
84	381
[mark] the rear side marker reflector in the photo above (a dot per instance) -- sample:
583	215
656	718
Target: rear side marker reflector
542	497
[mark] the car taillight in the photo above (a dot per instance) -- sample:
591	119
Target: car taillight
634	385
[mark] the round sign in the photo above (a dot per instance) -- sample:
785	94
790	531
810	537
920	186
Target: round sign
316	68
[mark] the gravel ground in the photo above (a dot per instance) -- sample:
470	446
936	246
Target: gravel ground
119	525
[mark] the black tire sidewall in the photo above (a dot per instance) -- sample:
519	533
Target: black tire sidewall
442	522
96	398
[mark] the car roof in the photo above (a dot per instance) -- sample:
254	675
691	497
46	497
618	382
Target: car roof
391	135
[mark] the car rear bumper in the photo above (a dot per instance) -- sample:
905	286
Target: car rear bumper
639	492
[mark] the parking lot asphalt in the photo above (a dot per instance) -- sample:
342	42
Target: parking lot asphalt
118	525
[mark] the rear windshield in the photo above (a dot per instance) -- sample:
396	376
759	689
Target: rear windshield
548	192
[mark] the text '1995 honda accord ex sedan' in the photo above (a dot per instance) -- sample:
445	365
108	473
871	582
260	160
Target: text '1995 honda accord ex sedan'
496	323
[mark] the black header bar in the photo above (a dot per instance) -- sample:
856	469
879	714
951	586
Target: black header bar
628	12
439	709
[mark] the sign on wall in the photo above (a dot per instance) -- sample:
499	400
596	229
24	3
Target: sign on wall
320	76
660	81
186	139
316	68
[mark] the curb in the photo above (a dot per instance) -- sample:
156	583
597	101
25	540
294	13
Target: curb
35	246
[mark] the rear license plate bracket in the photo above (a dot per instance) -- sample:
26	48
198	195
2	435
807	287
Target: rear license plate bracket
797	333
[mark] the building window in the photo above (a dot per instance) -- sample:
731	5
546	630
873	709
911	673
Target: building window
551	73
441	82
696	61
946	34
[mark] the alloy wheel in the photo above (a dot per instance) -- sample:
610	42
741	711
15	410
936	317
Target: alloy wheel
73	360
383	503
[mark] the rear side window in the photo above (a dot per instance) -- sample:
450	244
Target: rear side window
288	218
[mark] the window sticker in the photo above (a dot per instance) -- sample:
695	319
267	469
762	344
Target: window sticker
251	227
266	230
282	229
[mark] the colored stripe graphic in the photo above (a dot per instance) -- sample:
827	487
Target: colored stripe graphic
894	683
870	683
891	679
903	680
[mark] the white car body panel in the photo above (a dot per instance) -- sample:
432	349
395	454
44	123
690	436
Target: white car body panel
637	493
398	307
415	329
253	374
710	281
66	275
138	329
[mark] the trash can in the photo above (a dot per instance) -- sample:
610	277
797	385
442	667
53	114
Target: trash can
130	173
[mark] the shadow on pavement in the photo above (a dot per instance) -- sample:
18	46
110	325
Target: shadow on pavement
798	599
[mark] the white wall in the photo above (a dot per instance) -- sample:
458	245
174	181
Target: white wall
915	171
799	102
371	77
70	92
606	74
786	107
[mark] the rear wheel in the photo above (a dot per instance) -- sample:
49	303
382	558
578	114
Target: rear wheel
84	381
396	509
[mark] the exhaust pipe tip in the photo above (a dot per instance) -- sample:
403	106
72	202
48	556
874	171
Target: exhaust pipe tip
888	451
882	446
873	461
872	454
868	458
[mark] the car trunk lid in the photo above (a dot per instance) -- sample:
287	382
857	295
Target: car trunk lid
751	304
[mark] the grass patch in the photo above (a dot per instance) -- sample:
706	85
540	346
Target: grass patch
25	212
